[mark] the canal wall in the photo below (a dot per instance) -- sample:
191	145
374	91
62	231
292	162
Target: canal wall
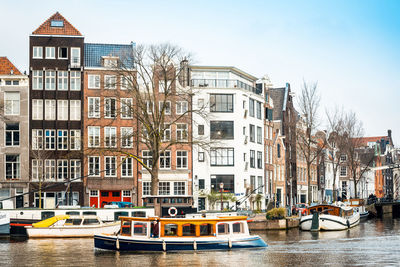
283	224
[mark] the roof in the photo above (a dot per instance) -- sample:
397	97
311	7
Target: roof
57	25
278	96
363	141
94	53
234	69
6	66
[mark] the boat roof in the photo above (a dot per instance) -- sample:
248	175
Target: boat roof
188	220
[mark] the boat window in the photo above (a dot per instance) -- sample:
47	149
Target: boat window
140	228
223	228
189	229
206	229
91	221
170	229
73	221
237	227
72	213
47	214
126	228
120	213
138	214
89	213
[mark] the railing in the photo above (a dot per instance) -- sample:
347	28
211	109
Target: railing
75	62
223	83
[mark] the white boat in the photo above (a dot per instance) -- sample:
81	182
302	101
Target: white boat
329	218
71	226
358	205
174	234
4	223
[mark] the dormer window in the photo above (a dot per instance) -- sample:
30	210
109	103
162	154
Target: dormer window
110	62
57	23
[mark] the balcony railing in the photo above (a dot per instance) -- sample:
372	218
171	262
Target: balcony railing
223	83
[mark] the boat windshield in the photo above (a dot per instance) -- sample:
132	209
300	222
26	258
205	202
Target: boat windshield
140	228
74	221
91	221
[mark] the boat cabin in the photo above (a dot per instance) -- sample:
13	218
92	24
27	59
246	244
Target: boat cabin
331	210
185	227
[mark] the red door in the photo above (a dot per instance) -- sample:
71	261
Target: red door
109	196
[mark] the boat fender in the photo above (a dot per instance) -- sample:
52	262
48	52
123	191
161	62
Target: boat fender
164	245
348	224
117	244
172	211
230	243
194	245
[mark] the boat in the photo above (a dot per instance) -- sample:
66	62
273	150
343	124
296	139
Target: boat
175	234
358	205
4	223
71	226
329	218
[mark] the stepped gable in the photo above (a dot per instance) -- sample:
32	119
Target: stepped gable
57	25
6	66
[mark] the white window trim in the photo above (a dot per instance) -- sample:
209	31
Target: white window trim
93	86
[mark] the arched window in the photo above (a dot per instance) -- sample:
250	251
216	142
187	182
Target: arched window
206	229
170	229
237	228
188	229
223	228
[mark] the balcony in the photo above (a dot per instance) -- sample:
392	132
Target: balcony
222	83
75	62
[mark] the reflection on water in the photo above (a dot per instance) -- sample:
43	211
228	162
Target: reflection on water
375	242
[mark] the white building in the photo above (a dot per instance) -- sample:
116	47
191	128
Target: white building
232	130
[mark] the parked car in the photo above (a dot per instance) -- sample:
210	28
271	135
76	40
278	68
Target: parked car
118	204
301	208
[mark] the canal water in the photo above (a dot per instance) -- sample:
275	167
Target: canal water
372	243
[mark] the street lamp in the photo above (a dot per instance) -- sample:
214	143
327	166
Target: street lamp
221	186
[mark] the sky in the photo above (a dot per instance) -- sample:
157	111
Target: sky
350	48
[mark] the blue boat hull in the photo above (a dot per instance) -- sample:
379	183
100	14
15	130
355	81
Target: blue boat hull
111	243
5	229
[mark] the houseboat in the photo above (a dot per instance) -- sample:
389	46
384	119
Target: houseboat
329	218
172	234
71	226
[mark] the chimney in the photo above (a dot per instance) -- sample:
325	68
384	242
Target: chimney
390	133
184	78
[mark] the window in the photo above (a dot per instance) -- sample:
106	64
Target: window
37	169
237	227
94	166
110	166
179	188
37	52
50	110
258	110
228	180
94	193
164	188
201	156
75	110
126	193
201	184
200	129
343	157
62	139
124	83
126	137
12	134
62	169
94	136
110	136
63	80
165	107
127	167
221	103
146	188
75	169
251	107
149	107
94	107
94	81
11	103
50	139
259	135
343	171
12	167
147	158
62	110
223	229
181	107
50	52
181	159
57	23
200	103
62	52
221	130
181	132
75	139
109	108
50	80
126	108
252	133
162	88
222	156
37	109
50	169
259	159
110	82
165	160
279	150
167	133
75	80
253	182
37	81
37	139
260	184
252	159
75	57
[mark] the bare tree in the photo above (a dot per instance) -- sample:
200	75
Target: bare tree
310	145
